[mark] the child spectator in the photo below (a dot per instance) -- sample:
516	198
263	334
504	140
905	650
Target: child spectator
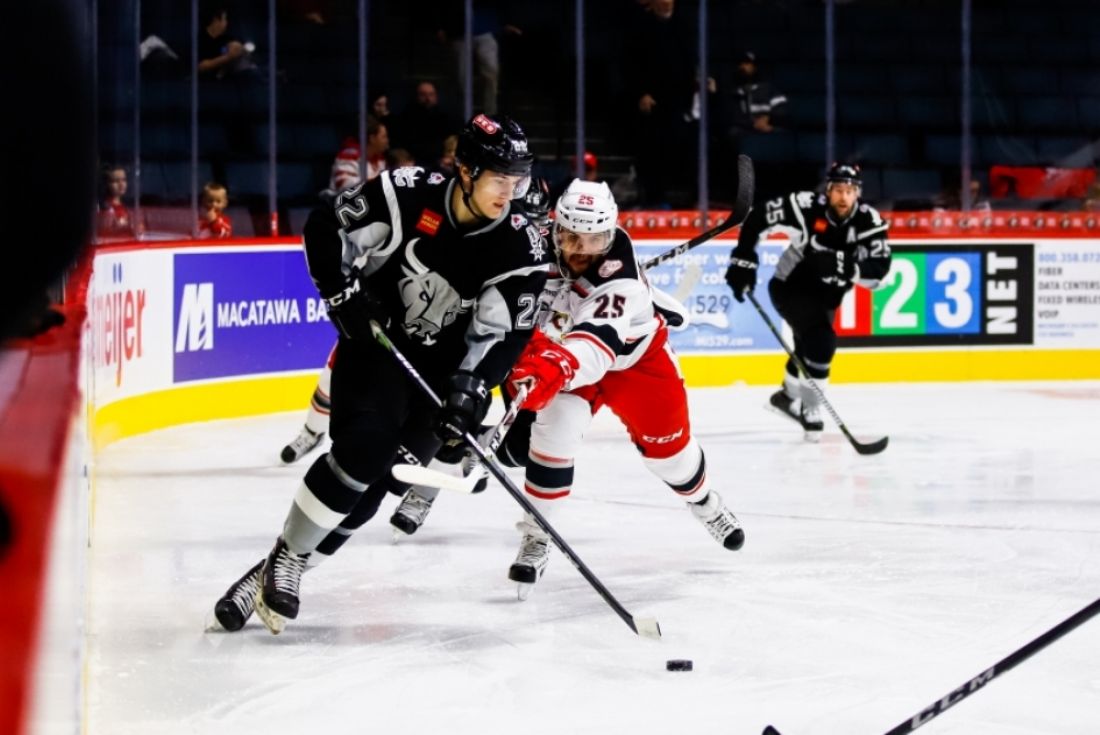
214	223
113	218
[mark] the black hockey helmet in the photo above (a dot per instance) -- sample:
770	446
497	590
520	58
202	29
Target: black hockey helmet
494	143
847	173
536	203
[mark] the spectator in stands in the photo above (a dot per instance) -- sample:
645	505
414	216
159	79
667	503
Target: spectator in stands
225	65
380	108
558	177
314	12
591	166
661	63
113	218
221	54
446	163
951	198
489	23
214	223
423	125
345	169
1091	202
399	158
757	107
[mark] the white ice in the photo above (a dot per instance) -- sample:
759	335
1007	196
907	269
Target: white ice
868	587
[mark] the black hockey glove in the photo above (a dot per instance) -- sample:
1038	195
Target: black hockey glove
464	406
352	309
741	275
834	267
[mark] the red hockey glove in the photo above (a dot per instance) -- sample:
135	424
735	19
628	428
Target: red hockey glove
546	367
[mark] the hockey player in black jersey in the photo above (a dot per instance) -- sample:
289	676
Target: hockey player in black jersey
453	276
417	503
836	241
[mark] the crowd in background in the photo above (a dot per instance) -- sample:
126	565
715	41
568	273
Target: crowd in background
646	100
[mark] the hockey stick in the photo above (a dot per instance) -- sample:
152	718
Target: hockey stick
645	627
873	447
958	694
742	205
420	475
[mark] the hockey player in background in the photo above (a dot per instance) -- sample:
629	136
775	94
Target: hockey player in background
453	277
836	241
603	341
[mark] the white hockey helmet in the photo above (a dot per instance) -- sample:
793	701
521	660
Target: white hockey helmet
586	208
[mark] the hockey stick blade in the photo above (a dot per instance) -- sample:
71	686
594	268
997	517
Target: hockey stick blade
650	628
870	447
415	474
742	205
647	628
863	448
420	475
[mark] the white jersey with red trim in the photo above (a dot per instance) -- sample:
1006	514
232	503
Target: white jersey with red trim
606	318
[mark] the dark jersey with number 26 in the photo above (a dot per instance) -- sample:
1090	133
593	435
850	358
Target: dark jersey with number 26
456	298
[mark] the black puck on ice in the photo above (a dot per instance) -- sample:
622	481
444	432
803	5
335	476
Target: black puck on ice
679	664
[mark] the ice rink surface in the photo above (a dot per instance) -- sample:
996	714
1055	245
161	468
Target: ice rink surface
868	587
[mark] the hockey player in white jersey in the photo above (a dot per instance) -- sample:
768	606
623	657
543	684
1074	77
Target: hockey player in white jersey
602	340
837	241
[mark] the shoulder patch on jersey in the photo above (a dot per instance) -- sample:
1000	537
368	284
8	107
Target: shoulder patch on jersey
518	221
609	268
436	178
429	222
406	175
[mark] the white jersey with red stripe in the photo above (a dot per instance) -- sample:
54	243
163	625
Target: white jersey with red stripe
606	318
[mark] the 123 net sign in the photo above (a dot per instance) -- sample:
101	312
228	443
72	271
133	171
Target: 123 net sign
967	294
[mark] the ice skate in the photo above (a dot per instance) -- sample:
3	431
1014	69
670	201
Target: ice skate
410	514
235	607
784	405
302	445
530	563
810	418
719	521
281	576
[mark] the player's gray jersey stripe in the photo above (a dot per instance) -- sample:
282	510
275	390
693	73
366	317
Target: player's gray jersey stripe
872	231
524	271
491	321
799	217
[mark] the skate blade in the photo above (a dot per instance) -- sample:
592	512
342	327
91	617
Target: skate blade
272	620
398	535
210	624
784	414
813	437
523	590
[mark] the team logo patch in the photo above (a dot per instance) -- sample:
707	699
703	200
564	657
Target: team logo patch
485	123
429	222
518	221
436	178
406	175
610	267
820	226
538	250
